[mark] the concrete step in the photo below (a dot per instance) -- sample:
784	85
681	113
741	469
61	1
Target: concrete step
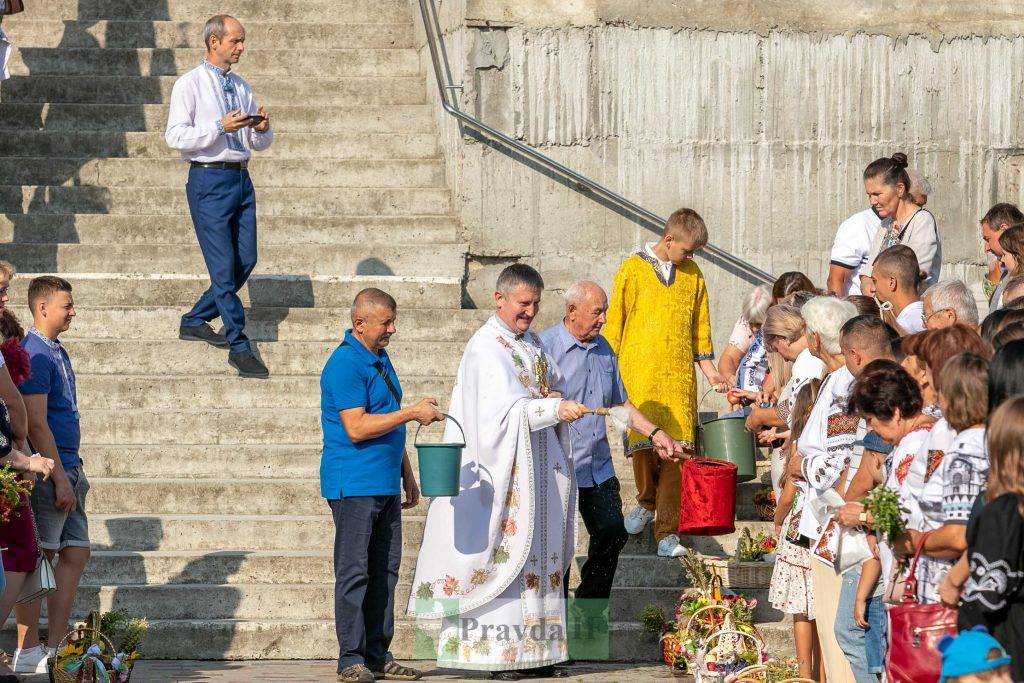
353	11
269	90
313	570
329	259
315	639
291	291
273	230
254	601
28	31
287	145
279	173
407	259
241	496
273	324
110	357
314	530
264	59
121	118
156	392
272	201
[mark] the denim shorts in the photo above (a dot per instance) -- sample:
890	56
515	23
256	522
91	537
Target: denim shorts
59	529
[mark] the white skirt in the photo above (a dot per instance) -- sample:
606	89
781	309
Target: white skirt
791	589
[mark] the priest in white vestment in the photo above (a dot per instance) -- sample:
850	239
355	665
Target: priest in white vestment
493	558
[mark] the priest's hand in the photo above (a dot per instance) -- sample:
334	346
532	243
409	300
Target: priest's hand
412	492
570	411
425	412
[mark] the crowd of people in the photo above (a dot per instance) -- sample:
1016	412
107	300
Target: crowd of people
889	377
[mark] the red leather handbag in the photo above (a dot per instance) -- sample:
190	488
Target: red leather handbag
914	632
707	497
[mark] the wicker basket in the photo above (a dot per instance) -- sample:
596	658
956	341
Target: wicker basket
87	674
742	574
765	511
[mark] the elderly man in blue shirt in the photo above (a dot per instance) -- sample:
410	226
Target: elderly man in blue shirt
591	377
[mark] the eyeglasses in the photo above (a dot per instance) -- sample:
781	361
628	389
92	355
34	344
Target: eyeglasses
926	318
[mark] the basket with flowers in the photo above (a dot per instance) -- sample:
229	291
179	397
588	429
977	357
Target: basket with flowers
752	565
764	503
703	609
87	654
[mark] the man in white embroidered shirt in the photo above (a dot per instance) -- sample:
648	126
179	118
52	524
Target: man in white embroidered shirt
215	124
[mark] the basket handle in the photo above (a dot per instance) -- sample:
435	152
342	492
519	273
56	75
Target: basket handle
689	622
721	632
83	629
415	441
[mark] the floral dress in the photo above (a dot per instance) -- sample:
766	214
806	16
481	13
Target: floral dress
791	590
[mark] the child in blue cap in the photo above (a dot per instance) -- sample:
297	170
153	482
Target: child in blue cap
974	657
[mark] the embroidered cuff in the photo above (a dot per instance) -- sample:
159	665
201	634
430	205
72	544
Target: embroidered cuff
542	412
220	127
697	357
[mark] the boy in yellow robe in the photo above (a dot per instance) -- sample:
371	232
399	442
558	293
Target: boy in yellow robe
659	326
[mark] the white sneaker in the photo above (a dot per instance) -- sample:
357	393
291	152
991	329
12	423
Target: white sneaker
669	547
30	661
638	518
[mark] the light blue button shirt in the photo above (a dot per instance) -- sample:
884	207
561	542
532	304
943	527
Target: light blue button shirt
590	376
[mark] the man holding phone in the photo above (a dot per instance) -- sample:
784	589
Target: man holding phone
215	125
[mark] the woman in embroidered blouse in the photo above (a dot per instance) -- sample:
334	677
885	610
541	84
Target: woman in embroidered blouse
887	185
994	592
957	469
890	401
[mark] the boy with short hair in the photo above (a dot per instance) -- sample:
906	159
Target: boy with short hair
660	327
974	657
58	504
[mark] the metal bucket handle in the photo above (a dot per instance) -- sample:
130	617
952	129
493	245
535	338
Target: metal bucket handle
415	441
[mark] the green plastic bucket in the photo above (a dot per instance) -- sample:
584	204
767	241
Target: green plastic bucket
727	438
440	464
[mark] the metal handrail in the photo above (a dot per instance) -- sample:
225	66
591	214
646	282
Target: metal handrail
652	221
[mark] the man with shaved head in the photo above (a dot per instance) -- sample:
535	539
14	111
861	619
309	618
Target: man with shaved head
590	375
897	277
363	469
215	125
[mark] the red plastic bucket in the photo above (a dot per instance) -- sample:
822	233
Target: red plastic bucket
707	497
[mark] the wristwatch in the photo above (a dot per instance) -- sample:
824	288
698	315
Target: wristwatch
651	435
862	517
764	404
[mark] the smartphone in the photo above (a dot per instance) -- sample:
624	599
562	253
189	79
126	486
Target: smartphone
254	119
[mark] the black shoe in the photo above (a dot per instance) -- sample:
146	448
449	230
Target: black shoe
203	333
248	365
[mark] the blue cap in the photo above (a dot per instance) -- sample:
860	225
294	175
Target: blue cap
971	652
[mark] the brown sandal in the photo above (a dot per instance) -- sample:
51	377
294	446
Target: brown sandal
393	671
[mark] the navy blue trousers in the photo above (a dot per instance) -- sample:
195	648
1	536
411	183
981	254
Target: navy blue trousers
367	553
223	207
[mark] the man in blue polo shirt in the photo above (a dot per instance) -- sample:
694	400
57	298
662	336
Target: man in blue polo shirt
58	505
590	374
363	468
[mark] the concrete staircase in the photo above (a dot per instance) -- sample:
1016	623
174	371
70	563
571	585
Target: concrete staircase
204	509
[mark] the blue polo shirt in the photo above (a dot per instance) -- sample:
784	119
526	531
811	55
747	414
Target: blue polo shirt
351	379
52	375
590	375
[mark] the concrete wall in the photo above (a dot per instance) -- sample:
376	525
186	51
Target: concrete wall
759	115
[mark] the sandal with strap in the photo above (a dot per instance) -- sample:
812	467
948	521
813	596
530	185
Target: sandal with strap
393	671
